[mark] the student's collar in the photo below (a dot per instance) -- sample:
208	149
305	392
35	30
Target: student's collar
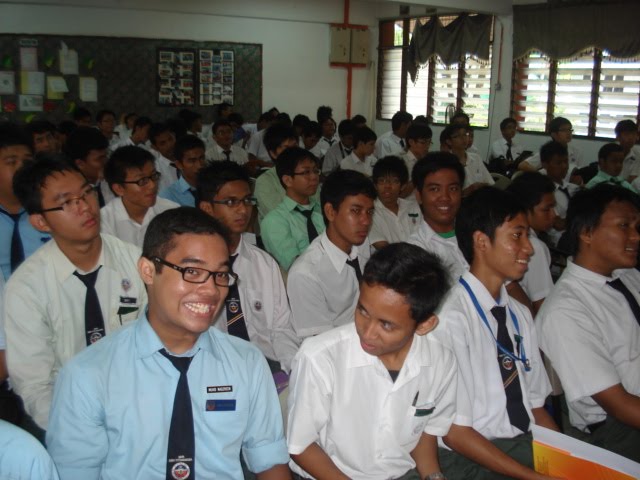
486	300
64	268
337	257
184	185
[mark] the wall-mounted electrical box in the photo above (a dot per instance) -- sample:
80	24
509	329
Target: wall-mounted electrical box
349	45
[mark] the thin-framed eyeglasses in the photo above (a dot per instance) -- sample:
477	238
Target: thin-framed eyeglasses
234	202
72	204
141	182
307	173
200	275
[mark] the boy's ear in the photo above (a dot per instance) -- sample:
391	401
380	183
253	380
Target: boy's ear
118	189
146	269
329	211
38	222
287	180
206	207
481	241
429	324
586	236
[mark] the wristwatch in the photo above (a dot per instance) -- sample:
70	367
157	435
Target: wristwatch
436	476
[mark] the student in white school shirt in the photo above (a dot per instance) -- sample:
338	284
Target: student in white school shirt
369	399
505	150
223	147
106	124
361	158
328	138
394	218
438	178
340	149
46	302
589	326
225	194
393	142
627	136
323	281
490	434
536	193
163	143
418	140
131	173
139	136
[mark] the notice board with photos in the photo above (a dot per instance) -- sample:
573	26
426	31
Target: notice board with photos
51	75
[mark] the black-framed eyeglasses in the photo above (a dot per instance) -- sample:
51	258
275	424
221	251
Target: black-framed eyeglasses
72	204
234	202
307	173
141	182
201	275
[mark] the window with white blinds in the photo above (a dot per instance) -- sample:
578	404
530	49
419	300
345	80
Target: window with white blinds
592	91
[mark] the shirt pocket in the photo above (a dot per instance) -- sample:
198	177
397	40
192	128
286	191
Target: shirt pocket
414	423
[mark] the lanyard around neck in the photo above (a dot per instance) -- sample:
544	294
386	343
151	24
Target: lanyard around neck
522	357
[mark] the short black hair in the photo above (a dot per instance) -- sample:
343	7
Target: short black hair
30	179
276	134
221	122
324	112
450	130
419	131
186	143
81	113
557	123
363	135
156	130
586	208
161	234
346	127
289	159
39	126
177	126
300	120
506	122
552	148
390	166
459	114
484	210
626	126
214	176
141	122
129	115
11	135
222	107
189	117
344	183
608	149
312	129
412	272
359	120
103	113
82	140
236	117
433	162
66	127
530	187
399	118
283	118
124	158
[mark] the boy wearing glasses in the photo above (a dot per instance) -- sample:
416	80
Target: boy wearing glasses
170	396
361	158
131	174
289	229
258	310
70	292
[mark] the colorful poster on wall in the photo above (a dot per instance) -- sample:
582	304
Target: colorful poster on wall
176	77
215	71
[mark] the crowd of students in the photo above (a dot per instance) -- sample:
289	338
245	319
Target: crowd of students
305	299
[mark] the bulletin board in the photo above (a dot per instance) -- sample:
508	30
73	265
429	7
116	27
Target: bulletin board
51	75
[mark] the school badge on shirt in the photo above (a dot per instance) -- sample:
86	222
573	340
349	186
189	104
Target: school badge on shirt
180	471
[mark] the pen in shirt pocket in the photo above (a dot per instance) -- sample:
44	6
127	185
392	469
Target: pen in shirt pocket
415	399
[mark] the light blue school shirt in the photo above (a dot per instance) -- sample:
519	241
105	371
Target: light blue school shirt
179	192
31	238
22	457
112	407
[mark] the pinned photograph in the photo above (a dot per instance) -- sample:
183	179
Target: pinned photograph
166	57
227	56
186	57
206	55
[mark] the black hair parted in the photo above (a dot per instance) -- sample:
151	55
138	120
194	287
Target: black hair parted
214	176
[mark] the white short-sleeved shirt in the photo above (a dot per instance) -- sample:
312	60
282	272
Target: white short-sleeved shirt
499	148
537	282
389	144
334	156
264	303
325	144
323	289
215	153
169	173
44	314
3	340
344	399
481	396
105	190
631	164
589	333
256	146
392	228
575	161
409	160
476	171
352	162
115	220
445	248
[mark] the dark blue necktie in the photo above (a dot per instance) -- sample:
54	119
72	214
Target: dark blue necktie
93	320
236	324
17	250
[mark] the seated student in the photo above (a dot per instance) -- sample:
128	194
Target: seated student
70	292
131	173
454	137
87	148
189	158
223	147
359	121
43	137
268	190
394	219
503	384
328	138
627	136
418	141
63	130
505	150
82	117
18	238
310	137
380	420
339	150
193	121
393	141
22	456
207	396
256	149
299	122
106	123
461	118
288	229
223	111
561	131
361	158
438	178
323	281
536	193
139	135
163	144
589	326
555	164
261	313
126	125
610	162
240	133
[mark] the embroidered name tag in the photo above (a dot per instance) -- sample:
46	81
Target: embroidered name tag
220	389
128	300
220	405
